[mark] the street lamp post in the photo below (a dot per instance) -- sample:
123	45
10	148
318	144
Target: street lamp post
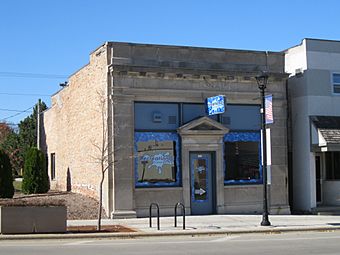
262	83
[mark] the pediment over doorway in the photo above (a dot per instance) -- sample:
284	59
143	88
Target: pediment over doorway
203	126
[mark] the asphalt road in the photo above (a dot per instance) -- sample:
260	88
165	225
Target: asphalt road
302	243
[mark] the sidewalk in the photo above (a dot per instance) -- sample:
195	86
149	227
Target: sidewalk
198	225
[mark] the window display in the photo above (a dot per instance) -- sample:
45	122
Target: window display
156	159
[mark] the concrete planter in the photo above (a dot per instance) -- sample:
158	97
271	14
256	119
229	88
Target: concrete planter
32	219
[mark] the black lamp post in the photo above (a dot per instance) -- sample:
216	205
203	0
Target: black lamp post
262	83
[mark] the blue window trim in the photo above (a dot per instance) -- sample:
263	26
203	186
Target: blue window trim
159	136
244	137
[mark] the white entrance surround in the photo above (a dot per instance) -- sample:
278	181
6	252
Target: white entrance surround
203	134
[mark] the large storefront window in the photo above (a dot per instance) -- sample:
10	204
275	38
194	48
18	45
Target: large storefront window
333	165
242	158
156	159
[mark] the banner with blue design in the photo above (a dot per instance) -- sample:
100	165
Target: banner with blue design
269	109
215	105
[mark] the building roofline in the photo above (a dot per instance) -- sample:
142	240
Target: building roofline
186	47
285	50
324	40
311	39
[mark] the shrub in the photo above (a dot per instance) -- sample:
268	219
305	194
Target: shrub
6	177
35	178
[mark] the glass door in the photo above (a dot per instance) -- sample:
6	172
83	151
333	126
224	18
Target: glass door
202	188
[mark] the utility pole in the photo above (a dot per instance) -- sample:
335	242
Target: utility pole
38	124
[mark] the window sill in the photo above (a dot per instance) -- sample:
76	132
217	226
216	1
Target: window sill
157	188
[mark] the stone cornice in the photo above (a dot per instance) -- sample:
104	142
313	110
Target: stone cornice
190	74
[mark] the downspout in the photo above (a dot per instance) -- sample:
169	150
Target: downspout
289	179
110	125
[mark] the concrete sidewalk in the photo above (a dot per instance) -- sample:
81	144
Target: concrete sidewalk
198	225
225	224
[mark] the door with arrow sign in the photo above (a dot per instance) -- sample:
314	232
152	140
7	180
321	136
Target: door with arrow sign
201	183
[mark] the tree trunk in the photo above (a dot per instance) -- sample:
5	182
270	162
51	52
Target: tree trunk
100	202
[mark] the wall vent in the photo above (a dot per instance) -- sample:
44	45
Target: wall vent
226	120
157	117
172	120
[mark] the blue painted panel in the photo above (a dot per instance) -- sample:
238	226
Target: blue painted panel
156	116
244	137
158	136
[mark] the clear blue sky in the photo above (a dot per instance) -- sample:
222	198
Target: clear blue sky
44	41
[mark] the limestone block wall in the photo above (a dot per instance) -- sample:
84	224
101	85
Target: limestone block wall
73	125
184	74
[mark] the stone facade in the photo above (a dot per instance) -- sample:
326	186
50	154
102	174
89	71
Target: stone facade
130	73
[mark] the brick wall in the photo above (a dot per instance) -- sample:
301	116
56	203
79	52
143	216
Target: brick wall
73	124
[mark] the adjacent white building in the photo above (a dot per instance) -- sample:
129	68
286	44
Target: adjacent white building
314	94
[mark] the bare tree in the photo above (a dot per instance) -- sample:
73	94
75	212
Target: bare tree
103	156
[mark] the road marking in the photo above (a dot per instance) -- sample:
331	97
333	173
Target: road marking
287	239
224	239
78	243
152	242
142	242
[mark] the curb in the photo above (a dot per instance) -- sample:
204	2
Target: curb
132	235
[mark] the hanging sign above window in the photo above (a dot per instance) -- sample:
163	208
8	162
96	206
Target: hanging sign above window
215	105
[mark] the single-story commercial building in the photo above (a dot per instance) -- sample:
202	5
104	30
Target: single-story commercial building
160	144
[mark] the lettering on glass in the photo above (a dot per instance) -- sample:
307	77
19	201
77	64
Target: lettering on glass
156	161
200	179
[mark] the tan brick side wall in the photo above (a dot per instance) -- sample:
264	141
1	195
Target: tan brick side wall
73	124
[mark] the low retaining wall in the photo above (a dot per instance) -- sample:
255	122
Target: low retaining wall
32	219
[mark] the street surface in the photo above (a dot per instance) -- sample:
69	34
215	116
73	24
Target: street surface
302	243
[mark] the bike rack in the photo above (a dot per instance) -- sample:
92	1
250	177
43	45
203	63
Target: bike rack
150	209
183	212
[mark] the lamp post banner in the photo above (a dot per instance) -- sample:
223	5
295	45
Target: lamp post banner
269	109
268	153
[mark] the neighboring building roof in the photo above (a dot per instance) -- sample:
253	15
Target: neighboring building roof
326	122
331	135
328	128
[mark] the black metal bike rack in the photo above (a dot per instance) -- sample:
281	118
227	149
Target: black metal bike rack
183	212
150	210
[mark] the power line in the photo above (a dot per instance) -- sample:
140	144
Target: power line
32	75
22	94
9	124
11	110
14	115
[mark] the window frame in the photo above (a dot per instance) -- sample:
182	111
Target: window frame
52	170
242	137
332	170
160	136
335	84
